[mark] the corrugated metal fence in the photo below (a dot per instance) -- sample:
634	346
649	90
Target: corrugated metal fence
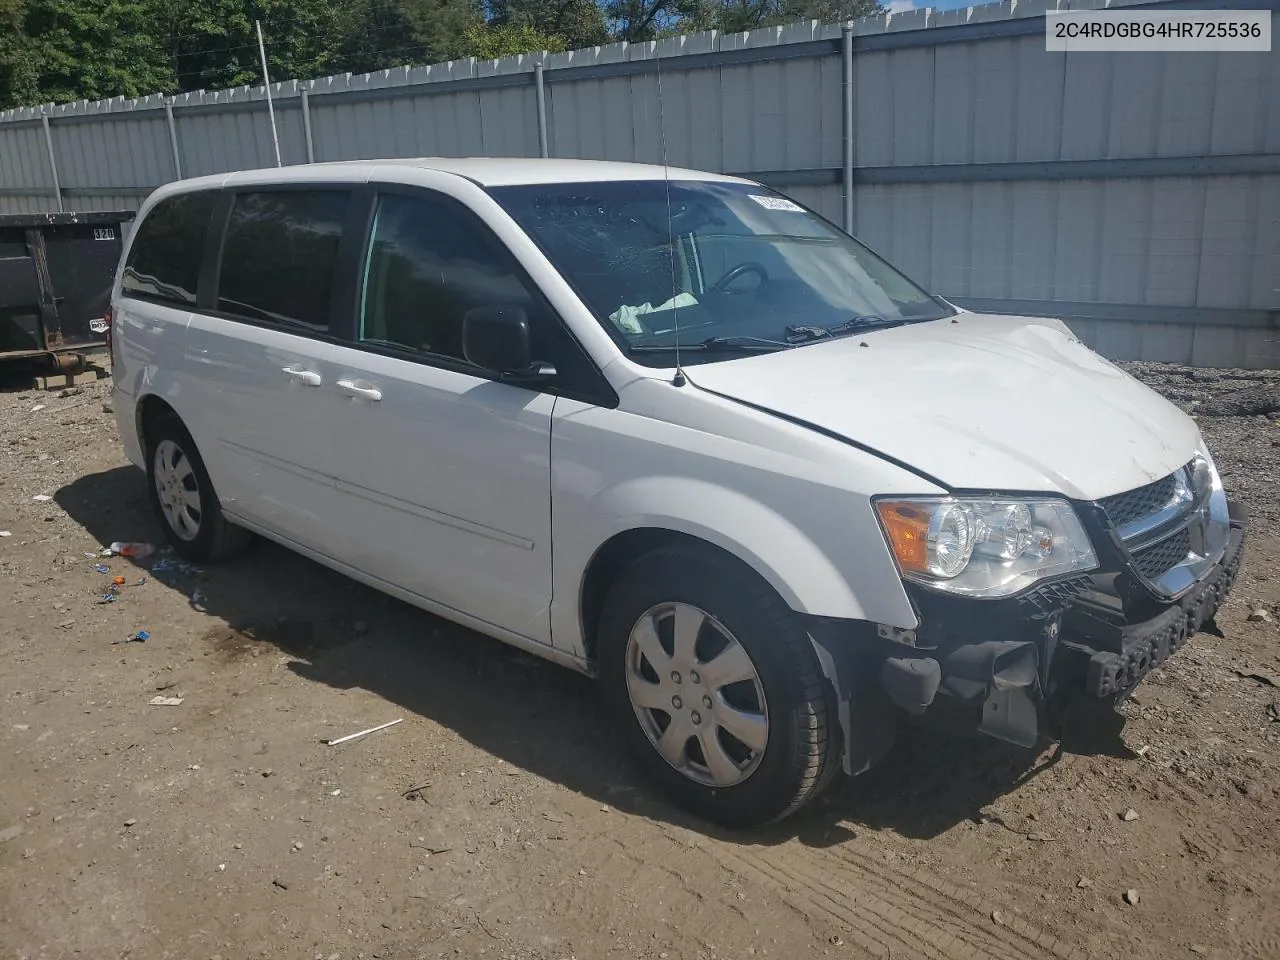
1137	195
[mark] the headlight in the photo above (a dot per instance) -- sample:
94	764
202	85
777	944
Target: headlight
984	547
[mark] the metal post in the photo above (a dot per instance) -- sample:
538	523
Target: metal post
846	42
173	138
266	85
53	164
540	86
306	126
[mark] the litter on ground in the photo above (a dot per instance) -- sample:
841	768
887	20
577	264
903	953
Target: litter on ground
137	551
362	733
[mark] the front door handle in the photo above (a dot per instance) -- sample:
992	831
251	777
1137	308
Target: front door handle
355	390
306	377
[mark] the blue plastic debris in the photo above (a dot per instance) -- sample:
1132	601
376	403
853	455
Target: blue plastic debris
140	637
168	571
102	568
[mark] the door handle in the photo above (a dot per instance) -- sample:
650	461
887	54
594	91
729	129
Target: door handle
306	377
364	393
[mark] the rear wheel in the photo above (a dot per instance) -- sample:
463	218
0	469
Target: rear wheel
716	687
183	497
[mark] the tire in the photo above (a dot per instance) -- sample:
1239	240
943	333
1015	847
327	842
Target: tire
801	739
174	467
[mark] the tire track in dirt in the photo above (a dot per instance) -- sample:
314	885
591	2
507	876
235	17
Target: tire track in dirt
891	912
958	906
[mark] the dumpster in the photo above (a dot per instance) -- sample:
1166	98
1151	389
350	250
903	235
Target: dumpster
56	271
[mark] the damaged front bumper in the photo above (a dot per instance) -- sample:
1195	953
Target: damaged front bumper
1018	668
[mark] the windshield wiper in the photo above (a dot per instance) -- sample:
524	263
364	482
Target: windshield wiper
806	333
717	344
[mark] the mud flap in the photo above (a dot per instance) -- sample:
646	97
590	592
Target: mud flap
868	718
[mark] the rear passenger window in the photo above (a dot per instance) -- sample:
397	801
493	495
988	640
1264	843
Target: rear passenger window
164	261
280	256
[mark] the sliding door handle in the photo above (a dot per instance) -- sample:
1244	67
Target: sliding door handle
307	378
351	388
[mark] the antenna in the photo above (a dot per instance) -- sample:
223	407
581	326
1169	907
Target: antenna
266	85
679	379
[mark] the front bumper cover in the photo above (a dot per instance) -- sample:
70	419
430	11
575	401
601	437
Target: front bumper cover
1022	664
1144	646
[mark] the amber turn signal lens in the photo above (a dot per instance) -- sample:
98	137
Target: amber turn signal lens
907	527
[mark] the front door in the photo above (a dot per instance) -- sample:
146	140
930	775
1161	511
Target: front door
444	472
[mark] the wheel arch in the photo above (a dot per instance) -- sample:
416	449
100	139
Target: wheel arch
741	529
150	409
612	558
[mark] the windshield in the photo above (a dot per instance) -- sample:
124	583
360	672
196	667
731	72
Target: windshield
732	266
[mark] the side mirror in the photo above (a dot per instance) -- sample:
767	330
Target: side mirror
497	338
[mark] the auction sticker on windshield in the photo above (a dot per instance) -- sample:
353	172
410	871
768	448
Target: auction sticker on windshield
777	203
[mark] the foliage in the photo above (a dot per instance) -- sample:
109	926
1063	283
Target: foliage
491	41
88	49
17	70
579	23
59	50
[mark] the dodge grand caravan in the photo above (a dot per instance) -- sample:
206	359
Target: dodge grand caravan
674	430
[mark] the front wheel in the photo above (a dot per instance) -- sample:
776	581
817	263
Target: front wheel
716	687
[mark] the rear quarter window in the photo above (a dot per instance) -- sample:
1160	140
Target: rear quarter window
164	261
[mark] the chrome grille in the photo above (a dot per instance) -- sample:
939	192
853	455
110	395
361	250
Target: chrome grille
1173	530
1124	508
1158	559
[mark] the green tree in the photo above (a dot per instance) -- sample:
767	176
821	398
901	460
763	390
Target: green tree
580	23
645	19
372	35
636	20
827	11
212	44
492	40
17	71
92	49
440	28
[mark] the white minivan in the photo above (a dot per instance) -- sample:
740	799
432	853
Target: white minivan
674	430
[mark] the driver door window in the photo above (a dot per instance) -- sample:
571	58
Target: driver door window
429	263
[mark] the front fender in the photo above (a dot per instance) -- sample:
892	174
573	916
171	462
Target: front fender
769	543
848	580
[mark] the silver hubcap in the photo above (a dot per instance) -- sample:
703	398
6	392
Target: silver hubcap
697	694
177	490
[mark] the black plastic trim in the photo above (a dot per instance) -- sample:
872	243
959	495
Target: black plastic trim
344	296
207	291
1144	646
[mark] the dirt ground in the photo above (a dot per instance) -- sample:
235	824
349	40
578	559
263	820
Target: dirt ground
500	819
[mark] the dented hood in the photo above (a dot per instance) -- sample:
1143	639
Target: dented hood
978	402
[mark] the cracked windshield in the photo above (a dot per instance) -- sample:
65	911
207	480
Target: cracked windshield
717	267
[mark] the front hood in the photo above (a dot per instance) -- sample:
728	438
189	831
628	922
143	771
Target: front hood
978	402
